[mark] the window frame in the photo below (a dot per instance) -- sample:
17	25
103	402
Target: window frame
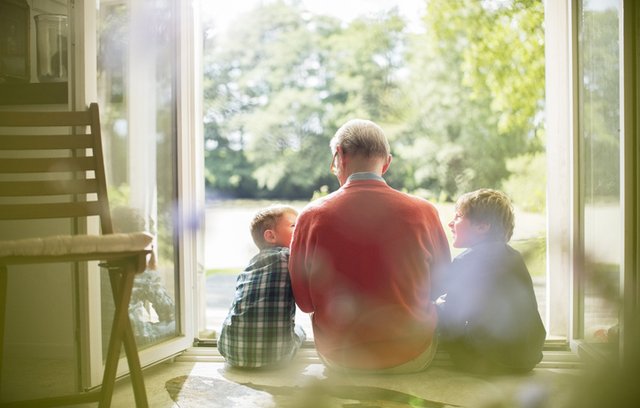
564	315
630	127
561	189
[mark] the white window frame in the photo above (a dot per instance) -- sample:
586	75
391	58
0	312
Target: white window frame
564	254
561	189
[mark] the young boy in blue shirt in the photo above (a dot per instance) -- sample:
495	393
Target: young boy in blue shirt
489	320
259	330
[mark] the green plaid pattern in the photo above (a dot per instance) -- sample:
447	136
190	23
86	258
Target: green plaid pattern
260	330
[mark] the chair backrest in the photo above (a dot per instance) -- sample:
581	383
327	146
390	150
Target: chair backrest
52	166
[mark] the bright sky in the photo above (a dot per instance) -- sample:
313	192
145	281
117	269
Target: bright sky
224	12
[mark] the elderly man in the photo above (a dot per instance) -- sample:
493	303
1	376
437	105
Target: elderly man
364	260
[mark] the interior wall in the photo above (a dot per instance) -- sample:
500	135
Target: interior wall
40	347
40	309
40	319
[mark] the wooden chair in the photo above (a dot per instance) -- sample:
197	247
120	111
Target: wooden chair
52	168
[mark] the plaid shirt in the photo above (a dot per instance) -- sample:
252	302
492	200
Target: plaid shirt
260	327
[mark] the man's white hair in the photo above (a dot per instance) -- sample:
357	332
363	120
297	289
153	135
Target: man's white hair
361	137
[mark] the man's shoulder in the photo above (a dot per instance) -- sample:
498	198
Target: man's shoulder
319	204
416	202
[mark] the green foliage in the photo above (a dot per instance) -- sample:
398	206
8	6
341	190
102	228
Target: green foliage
534	252
457	100
527	183
600	101
223	271
267	105
119	195
321	192
477	89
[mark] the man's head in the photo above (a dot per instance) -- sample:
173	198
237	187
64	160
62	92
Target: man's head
359	145
482	215
273	226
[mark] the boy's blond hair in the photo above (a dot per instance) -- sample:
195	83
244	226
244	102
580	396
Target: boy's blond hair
266	219
489	206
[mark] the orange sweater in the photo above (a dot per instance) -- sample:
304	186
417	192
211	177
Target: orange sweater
362	262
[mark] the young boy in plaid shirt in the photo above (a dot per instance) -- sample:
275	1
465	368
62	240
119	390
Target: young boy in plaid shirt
260	330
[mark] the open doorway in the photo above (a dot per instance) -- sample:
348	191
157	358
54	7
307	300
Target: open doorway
458	88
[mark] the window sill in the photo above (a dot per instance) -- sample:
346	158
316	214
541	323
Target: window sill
556	355
594	353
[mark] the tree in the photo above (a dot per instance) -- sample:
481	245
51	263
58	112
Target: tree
600	102
477	87
457	101
273	107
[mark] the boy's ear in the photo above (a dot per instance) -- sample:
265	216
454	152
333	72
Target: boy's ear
269	236
483	228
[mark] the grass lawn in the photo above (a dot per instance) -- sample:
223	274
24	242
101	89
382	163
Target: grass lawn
223	271
528	237
533	250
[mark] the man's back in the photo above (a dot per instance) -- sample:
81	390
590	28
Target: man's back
362	261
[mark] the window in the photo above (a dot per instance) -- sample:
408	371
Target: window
601	218
136	63
137	96
592	201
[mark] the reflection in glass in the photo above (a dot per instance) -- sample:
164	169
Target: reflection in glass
599	60
136	76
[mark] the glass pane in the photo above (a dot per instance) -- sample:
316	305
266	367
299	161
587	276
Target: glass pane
600	167
136	77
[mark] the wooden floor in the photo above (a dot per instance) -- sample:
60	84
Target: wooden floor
199	378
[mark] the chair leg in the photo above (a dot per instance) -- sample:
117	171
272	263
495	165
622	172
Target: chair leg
133	359
121	287
3	307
